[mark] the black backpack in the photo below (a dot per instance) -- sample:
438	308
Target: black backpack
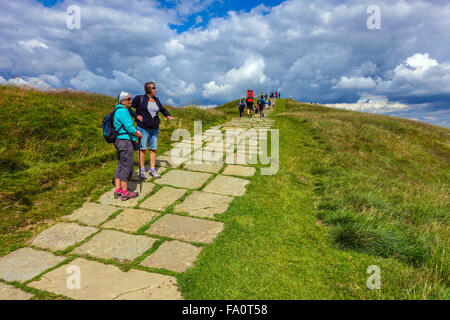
109	132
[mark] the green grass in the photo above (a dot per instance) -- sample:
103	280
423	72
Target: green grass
353	190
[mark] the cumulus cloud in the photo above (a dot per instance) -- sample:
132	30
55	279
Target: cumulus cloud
26	82
355	83
232	83
372	104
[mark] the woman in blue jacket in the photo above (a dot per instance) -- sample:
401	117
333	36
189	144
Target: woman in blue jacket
124	145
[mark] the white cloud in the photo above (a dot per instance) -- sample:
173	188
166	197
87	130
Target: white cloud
372	104
26	82
32	44
355	83
235	80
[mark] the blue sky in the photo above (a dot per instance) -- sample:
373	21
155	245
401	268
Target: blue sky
211	51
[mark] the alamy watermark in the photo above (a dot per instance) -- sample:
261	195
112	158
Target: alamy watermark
238	146
73	21
374	281
374	20
74	280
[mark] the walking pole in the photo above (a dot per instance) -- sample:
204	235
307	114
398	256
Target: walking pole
140	179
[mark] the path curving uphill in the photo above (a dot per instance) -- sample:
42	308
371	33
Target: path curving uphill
112	250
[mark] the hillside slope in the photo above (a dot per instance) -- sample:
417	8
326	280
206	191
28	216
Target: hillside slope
53	155
353	190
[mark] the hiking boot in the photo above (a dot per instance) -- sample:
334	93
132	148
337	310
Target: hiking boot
142	175
117	195
129	195
154	174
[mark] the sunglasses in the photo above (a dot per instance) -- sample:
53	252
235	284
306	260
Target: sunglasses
153	88
129	99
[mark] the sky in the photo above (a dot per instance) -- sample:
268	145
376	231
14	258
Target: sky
385	57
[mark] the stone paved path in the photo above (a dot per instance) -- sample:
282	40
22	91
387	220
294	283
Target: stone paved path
163	230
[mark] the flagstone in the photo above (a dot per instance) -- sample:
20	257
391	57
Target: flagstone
92	213
114	244
168	161
131	220
26	263
9	292
203	204
212	155
235	170
244	158
173	255
62	235
227	185
186	228
204	167
135	177
184	179
107	282
163	198
133	186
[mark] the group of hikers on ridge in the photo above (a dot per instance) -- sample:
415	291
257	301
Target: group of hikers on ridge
147	107
260	104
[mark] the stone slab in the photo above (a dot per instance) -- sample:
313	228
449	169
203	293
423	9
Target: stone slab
186	228
227	185
62	235
170	162
134	186
176	256
131	220
204	204
184	179
241	158
107	282
93	213
204	167
110	244
9	292
26	263
135	176
163	198
235	170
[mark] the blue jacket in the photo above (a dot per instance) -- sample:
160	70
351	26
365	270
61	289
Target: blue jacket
124	124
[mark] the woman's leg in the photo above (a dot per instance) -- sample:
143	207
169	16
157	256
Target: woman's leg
141	159
152	158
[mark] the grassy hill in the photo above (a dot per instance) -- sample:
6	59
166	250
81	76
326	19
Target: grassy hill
353	190
53	155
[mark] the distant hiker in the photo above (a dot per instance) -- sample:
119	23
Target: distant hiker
123	124
279	95
147	107
261	105
241	106
276	94
249	102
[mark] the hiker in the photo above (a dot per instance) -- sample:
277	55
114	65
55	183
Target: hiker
241	106
249	106
261	104
123	124
147	107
